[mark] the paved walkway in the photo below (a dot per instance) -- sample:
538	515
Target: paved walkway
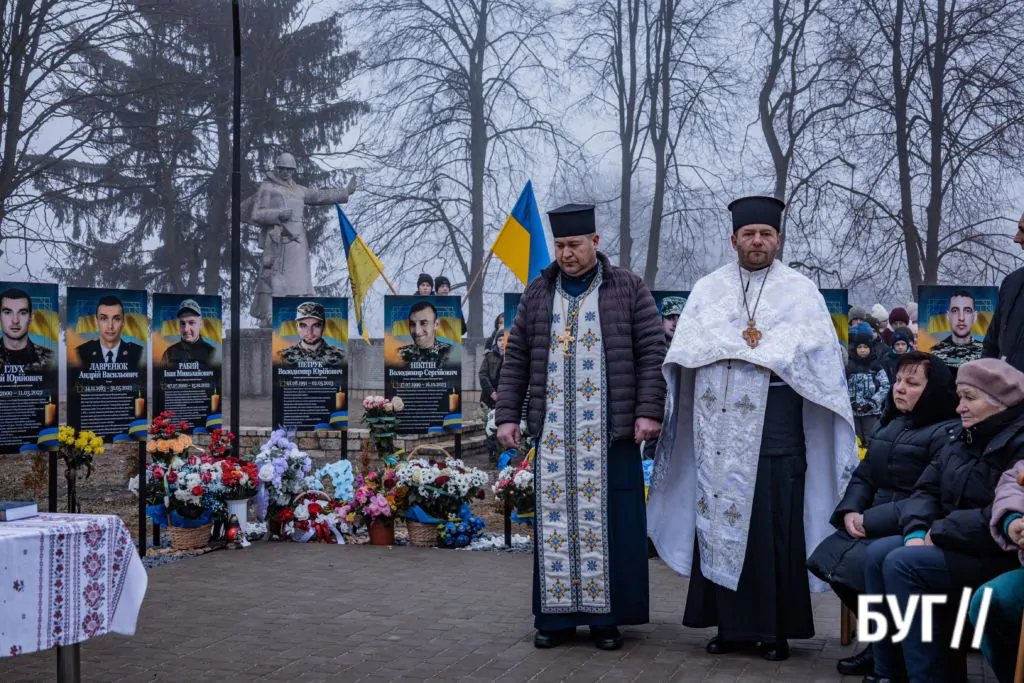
289	612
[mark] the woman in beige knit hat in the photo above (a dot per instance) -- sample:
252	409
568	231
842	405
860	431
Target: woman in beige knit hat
946	544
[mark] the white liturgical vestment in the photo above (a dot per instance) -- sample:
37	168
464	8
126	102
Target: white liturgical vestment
707	456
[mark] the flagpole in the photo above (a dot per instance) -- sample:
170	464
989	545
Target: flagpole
483	267
381	271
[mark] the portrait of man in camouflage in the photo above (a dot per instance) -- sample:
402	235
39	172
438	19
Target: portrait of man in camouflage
671	307
312	346
15	346
191	346
960	346
423	325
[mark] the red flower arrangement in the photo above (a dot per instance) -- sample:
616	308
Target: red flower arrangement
241	479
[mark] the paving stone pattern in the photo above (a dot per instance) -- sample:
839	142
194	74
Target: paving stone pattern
289	612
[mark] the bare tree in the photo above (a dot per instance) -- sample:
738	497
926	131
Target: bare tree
686	77
45	43
805	95
612	49
943	123
457	121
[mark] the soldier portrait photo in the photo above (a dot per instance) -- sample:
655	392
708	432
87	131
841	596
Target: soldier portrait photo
424	323
310	320
16	348
953	321
670	305
192	346
110	347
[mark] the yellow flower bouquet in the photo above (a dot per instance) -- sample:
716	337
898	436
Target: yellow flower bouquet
77	449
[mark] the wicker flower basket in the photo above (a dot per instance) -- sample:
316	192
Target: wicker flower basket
422	535
190	539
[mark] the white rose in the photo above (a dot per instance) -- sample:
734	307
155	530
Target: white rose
302	513
267	472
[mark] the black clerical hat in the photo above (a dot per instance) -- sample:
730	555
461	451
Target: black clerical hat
572	220
757	211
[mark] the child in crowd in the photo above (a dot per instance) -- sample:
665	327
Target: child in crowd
867	383
902	341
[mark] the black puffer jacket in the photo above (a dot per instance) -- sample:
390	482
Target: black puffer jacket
953	497
899	452
1005	336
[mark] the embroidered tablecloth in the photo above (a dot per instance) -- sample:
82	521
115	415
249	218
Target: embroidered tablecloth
65	579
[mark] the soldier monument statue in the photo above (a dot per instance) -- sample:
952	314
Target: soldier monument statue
278	209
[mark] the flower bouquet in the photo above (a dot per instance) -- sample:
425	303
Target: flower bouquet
375	503
77	450
459	533
381	417
192	491
313	517
240	480
284	472
515	487
438	491
167	438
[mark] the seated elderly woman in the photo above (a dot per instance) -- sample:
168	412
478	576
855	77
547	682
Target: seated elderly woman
945	544
1006	605
918	413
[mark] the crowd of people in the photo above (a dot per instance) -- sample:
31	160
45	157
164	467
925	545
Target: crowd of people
753	415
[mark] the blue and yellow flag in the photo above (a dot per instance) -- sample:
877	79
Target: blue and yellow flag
521	245
363	267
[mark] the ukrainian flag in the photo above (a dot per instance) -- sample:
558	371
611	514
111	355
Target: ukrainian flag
521	245
363	267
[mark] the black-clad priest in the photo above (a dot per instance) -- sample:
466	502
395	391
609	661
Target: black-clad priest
758	443
588	344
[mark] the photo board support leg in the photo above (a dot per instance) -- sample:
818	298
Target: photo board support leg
236	229
142	499
51	485
458	444
344	444
508	525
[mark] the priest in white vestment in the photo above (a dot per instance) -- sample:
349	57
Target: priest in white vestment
758	443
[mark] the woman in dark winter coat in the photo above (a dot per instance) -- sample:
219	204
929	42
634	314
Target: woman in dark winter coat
945	544
920	409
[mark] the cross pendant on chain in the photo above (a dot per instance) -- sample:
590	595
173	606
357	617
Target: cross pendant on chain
752	334
565	340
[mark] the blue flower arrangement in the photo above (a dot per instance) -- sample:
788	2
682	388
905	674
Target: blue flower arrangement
459	533
341	476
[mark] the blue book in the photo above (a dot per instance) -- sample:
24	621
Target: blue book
13	510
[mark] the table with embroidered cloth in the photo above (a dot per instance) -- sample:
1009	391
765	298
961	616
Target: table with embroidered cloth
64	579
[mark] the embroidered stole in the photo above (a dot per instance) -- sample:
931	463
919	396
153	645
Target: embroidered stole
729	408
571	464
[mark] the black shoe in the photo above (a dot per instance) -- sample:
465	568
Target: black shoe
721	646
879	679
861	664
774	650
606	638
549	639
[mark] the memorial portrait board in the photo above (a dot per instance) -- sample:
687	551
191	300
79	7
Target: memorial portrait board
187	356
670	304
107	334
511	306
423	361
310	347
29	374
838	303
953	320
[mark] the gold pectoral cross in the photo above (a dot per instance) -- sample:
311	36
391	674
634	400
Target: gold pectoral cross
565	339
752	334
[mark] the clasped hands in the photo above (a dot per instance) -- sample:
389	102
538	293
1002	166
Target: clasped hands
644	429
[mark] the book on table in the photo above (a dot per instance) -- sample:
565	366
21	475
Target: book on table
13	510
